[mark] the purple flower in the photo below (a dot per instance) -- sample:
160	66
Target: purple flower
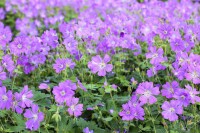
5	98
74	109
71	45
154	70
133	81
49	37
169	89
139	113
100	65
70	63
37	59
134	101
80	85
18	46
34	117
2	74
147	92
114	86
177	44
193	74
25	96
183	97
43	86
8	63
111	111
87	130
165	31
15	104
193	92
61	64
2	14
5	35
171	109
155	55
64	91
127	113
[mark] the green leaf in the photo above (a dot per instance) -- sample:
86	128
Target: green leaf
108	118
38	95
92	125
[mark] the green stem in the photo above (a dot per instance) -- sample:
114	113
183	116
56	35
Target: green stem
152	119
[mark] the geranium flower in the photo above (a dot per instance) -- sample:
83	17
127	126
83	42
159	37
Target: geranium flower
5	98
183	97
25	96
64	91
74	109
171	109
34	117
169	89
100	65
147	92
193	94
87	130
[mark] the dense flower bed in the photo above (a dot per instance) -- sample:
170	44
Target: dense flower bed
99	66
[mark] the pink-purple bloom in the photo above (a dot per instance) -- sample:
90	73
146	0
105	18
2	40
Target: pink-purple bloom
25	96
43	86
183	97
5	98
193	94
61	64
74	109
19	45
87	130
15	104
99	65
147	92
34	117
169	89
64	91
130	112
171	110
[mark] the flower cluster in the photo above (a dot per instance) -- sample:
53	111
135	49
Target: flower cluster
64	93
84	53
22	102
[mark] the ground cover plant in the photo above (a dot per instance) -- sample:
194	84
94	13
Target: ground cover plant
99	66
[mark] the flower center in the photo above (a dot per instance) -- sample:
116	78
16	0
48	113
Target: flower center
135	114
165	32
5	64
62	93
176	44
171	90
134	104
102	65
19	46
155	55
69	44
192	94
147	93
61	66
194	74
35	117
5	98
15	103
183	97
128	112
171	110
23	97
72	107
2	37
